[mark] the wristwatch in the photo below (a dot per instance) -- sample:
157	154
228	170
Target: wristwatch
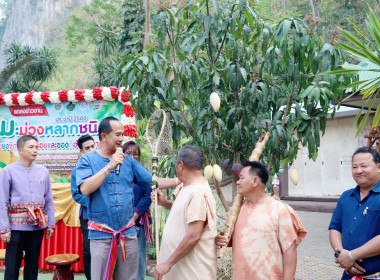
336	254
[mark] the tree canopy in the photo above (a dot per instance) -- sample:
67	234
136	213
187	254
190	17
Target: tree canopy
266	75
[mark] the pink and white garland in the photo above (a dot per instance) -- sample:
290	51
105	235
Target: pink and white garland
100	93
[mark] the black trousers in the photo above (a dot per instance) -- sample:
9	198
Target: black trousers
23	241
86	249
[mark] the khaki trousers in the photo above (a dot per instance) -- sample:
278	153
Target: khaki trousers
124	271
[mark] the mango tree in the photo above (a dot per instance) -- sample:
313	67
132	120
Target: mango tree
267	77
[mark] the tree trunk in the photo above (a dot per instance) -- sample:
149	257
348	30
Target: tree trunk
147	24
283	4
7	73
234	186
220	194
313	10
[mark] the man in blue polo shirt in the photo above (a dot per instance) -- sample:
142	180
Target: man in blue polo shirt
355	224
113	241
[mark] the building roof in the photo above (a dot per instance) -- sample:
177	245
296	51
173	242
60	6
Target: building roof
357	101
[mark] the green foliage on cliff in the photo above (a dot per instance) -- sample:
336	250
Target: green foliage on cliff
105	30
112	28
132	29
32	75
326	15
74	68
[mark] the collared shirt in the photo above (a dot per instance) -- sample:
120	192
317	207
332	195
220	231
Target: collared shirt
21	187
194	202
77	196
112	203
263	232
358	221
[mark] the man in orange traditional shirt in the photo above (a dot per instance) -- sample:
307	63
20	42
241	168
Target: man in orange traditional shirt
267	231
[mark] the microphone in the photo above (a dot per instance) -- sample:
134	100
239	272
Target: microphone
117	170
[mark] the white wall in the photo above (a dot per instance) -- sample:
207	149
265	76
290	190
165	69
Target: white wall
330	174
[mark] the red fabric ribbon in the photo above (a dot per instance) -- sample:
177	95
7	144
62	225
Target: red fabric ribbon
37	216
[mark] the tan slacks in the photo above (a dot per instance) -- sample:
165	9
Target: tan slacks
99	249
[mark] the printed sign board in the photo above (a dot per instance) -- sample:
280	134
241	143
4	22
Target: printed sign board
58	126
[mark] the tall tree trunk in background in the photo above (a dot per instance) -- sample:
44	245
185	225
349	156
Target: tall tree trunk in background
283	3
313	9
147	24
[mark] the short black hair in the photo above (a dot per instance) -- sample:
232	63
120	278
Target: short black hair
126	145
21	141
258	169
375	155
84	138
190	156
105	126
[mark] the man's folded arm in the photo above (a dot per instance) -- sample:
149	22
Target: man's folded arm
370	249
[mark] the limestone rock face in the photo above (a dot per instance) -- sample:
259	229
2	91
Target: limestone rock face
37	22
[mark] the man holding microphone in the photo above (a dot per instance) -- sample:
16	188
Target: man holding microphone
106	177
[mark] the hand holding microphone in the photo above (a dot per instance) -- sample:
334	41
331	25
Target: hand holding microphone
118	158
119	151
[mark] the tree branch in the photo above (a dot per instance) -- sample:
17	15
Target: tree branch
38	87
223	184
102	28
225	35
220	194
170	37
209	37
147	24
287	108
217	187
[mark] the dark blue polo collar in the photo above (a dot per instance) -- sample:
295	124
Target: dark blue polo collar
356	191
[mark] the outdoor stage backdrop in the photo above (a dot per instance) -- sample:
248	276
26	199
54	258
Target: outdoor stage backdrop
57	119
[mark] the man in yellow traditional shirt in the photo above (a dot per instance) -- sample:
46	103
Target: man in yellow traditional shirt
188	250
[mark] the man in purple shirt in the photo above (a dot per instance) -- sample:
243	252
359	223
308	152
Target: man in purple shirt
26	208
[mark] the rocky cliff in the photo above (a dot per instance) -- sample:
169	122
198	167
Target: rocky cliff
37	22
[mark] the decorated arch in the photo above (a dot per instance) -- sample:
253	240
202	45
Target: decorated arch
58	119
